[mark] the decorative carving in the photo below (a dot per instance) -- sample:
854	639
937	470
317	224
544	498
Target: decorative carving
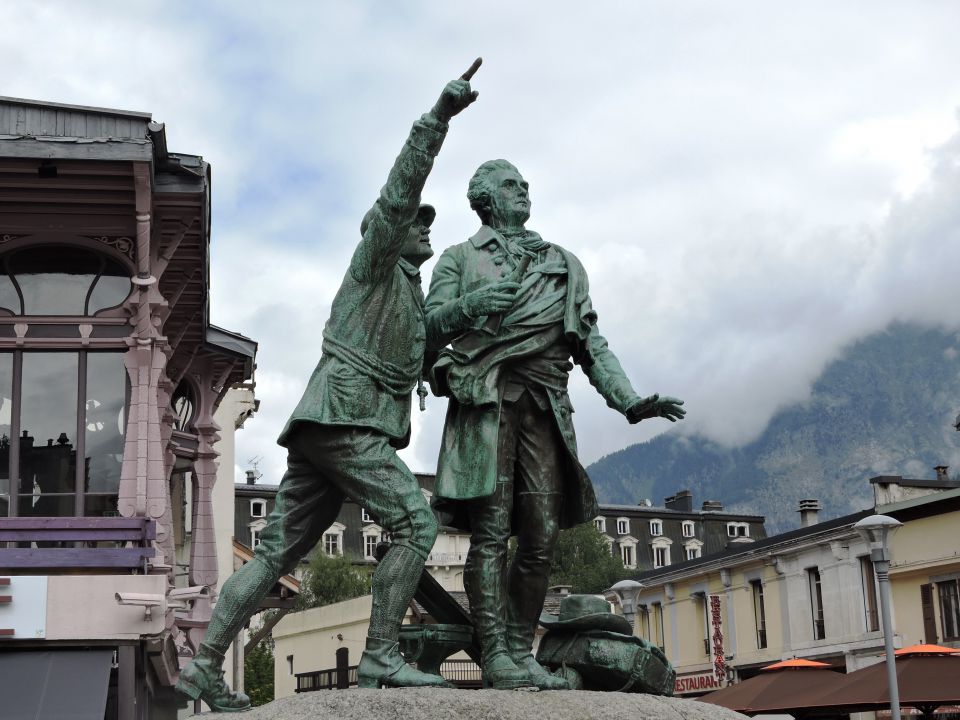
121	244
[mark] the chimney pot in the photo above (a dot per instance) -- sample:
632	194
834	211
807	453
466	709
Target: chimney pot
251	477
809	512
941	471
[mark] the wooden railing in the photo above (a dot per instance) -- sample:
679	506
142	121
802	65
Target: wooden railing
66	543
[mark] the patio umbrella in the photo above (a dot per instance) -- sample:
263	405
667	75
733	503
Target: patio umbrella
928	677
778	687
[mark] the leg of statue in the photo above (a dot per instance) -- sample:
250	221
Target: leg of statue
539	502
305	506
366	468
485	570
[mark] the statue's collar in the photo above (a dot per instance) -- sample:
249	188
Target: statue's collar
486	234
409	268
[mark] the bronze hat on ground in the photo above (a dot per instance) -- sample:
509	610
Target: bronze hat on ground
585	612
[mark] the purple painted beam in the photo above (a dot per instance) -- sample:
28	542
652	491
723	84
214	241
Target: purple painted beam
74	557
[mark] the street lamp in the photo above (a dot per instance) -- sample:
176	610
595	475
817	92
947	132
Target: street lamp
876	530
627	592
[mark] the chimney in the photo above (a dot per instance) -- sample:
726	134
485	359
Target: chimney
711	506
682	501
941	471
251	477
809	512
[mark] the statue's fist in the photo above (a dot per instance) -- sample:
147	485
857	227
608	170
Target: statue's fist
495	298
454	98
656	406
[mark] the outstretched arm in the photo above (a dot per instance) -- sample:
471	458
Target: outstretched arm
605	373
387	223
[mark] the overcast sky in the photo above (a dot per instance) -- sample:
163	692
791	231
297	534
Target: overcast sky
751	186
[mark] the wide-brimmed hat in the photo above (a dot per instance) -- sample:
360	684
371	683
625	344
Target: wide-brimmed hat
585	612
425	214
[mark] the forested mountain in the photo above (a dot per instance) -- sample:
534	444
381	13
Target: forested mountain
886	407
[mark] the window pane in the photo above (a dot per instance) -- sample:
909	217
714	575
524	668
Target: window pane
111	289
9	298
48	426
100	506
46	505
105	426
6	405
54	281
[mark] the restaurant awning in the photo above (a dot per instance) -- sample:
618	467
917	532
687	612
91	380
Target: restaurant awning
54	684
928	676
777	688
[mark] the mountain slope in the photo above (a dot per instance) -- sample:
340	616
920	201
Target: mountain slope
885	407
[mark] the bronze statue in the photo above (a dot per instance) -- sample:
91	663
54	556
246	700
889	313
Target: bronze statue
343	435
517	311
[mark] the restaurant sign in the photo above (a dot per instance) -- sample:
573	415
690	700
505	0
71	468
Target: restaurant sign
716	623
696	683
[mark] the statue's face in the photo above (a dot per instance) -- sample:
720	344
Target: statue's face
416	248
509	198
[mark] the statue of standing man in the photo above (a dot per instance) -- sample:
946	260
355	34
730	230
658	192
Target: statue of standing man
517	312
343	436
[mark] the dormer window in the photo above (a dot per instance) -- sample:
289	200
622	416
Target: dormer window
258	508
600	523
689	530
623	526
738	529
656	528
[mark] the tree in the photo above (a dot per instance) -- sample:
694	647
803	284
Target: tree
258	672
582	559
330	579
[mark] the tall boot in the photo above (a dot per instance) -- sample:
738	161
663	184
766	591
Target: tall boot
382	665
203	679
394	582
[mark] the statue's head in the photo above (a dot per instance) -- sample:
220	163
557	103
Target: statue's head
499	195
416	248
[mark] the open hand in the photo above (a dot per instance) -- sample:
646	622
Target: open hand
656	406
495	298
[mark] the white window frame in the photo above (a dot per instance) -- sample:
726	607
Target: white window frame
661	544
371	534
628	546
656	528
689	528
600	522
335	534
738	529
255	502
623	526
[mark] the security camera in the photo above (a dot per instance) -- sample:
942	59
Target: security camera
190	593
145	600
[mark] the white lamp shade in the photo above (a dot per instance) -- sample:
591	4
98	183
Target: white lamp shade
876	530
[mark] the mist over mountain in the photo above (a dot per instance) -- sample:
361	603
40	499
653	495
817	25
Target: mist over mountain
885	407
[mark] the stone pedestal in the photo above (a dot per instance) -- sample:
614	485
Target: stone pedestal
434	704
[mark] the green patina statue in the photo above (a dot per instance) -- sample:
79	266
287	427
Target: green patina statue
342	437
517	311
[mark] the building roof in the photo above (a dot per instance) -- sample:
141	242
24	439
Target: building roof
659	510
760	547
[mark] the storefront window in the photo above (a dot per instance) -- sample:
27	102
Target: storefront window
51	433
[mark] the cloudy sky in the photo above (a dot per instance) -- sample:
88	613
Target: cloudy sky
751	185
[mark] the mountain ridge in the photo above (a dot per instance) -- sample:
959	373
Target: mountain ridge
875	410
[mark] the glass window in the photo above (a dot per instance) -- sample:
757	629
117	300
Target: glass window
6	412
105	422
601	524
759	613
626	554
258	508
48	433
656	528
623	526
9	297
331	543
869	583
816	603
949	609
370	546
688	529
183	405
693	553
661	557
63	280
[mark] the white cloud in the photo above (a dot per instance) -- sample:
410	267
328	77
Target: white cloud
751	187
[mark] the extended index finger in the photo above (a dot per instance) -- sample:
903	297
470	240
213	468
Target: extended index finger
472	69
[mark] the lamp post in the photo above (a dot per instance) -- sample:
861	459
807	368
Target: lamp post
876	530
627	592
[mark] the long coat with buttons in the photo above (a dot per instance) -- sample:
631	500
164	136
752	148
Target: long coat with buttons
467	467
